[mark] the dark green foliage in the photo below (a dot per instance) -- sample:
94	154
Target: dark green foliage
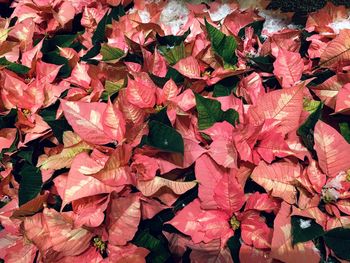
58	126
305	6
300	234
162	135
224	46
17	68
9	120
30	185
234	245
306	130
210	112
338	239
171	40
345	130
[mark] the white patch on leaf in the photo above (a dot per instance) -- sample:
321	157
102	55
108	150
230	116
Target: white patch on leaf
73	106
95	117
304	223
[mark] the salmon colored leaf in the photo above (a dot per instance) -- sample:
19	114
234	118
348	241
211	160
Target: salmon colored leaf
148	188
337	51
278	179
228	194
284	106
141	91
288	68
86	120
189	67
332	149
113	122
207	184
123	219
116	171
255	232
202	225
55	236
78	185
73	145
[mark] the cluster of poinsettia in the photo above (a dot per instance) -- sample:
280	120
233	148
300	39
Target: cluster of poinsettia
168	131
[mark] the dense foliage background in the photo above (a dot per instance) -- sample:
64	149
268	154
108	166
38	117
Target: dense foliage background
174	131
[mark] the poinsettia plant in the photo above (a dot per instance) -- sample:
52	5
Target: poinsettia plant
173	131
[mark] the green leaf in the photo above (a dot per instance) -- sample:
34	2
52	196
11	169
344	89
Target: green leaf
17	68
58	126
26	154
99	35
345	130
111	53
161	116
93	52
263	63
306	130
163	137
9	120
230	116
12	148
173	54
338	239
51	44
53	57
185	199
221	91
30	185
159	251
113	87
171	74
209	112
171	40
256	25
304	229
234	244
146	240
224	46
